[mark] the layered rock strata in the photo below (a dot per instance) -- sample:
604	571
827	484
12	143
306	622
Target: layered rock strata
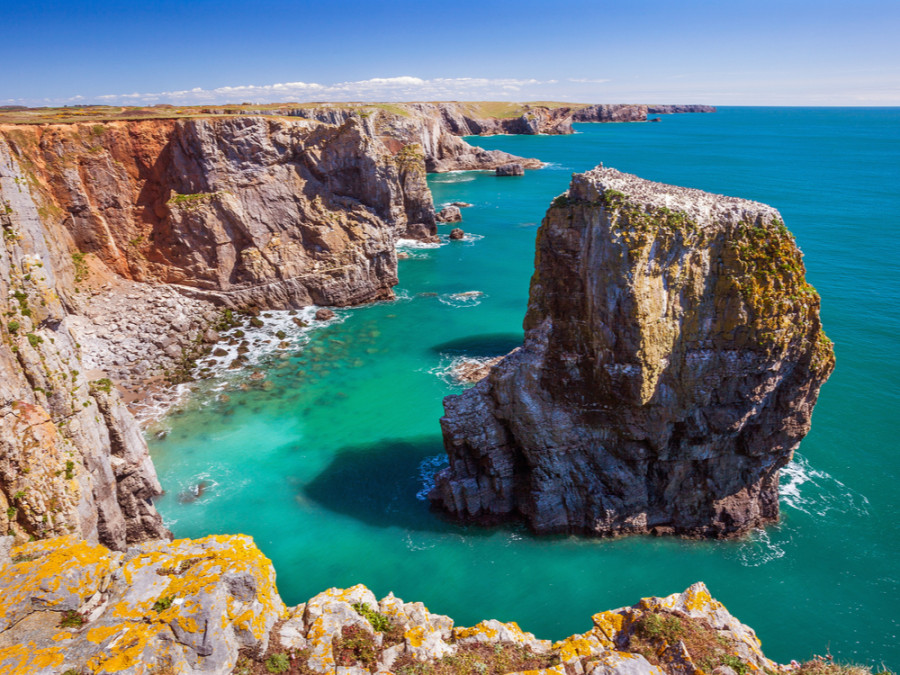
211	606
672	359
678	109
72	459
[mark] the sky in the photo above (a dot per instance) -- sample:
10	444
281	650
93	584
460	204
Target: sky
721	52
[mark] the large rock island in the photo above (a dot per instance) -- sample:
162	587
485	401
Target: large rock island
672	358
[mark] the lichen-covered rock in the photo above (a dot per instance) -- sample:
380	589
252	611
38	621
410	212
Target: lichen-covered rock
188	605
210	606
672	359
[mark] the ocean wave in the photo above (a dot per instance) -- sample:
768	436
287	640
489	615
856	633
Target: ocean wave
760	549
415	244
453	177
470	238
815	492
428	467
464	299
556	166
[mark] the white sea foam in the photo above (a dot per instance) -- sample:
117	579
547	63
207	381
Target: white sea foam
213	372
816	492
464	299
415	244
448	366
427	468
759	549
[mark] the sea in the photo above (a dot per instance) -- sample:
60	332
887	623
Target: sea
324	448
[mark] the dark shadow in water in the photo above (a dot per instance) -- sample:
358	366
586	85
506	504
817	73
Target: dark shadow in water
492	344
377	484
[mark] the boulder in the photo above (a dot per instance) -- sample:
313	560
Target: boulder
457	233
324	314
512	169
449	214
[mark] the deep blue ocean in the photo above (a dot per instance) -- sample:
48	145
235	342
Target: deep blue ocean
325	461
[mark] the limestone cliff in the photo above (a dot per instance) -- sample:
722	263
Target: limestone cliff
71	457
672	359
673	109
210	606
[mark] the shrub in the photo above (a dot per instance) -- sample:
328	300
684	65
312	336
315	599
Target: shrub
70	470
278	663
13	326
71	619
378	620
163	603
34	340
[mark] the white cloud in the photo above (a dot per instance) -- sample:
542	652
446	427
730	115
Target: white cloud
402	88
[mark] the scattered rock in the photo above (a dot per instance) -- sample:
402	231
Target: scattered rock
457	233
471	370
449	214
324	314
461	205
512	169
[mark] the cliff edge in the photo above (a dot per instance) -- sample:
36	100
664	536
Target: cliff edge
672	358
210	606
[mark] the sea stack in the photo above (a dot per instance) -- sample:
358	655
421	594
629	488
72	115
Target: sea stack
673	356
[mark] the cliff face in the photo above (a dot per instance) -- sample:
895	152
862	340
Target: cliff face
611	113
673	109
71	457
435	128
672	359
120	242
210	606
252	210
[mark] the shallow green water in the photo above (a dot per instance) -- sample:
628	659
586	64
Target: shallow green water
323	468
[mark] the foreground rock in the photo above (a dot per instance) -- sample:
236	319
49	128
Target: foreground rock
672	359
513	169
210	606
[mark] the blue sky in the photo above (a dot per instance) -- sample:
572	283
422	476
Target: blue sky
724	52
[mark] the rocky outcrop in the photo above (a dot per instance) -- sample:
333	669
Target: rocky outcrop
210	606
672	359
611	113
434	127
449	214
512	169
677	109
71	457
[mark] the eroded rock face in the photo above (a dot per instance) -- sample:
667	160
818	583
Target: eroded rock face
265	211
672	359
72	459
210	606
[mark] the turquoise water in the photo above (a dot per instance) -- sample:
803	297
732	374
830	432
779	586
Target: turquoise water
323	466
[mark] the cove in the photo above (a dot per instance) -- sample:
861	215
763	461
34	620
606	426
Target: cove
326	466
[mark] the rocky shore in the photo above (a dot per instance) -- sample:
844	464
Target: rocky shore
211	606
672	359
